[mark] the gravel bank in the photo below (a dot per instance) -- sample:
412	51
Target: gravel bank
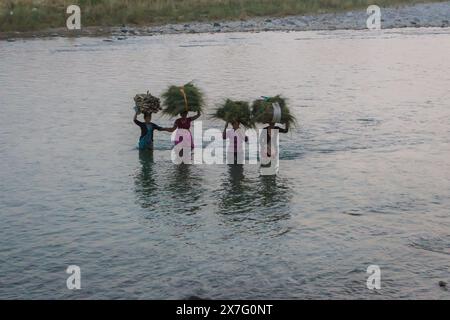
420	15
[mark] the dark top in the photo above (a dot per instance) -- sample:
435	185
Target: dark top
183	123
144	129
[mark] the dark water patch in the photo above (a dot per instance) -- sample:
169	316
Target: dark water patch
433	244
353	212
369	121
200	45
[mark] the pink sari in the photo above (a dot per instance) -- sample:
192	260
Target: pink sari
183	124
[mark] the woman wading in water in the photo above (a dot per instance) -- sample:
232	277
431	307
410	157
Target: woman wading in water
147	129
237	138
268	141
184	122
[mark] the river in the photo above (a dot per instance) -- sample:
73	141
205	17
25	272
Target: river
364	178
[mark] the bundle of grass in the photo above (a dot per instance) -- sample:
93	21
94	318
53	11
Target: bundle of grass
179	99
232	111
272	109
146	103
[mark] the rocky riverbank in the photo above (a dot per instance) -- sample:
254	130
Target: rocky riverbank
420	15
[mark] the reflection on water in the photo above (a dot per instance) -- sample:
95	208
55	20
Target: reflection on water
185	187
254	199
274	191
236	175
177	182
145	182
235	196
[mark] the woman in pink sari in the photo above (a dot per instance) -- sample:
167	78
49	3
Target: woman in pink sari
184	123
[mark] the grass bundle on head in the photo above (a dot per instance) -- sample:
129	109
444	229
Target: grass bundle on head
175	101
146	103
262	110
235	111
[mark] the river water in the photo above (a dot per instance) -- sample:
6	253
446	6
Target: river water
364	178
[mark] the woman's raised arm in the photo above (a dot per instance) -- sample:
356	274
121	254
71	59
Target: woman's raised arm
196	116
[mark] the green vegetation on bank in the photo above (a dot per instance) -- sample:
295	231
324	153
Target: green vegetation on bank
30	15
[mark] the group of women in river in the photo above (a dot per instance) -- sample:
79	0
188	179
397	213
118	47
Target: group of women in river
184	122
178	101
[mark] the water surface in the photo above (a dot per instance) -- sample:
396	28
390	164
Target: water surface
364	178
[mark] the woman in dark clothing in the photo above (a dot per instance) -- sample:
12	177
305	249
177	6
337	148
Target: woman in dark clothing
237	138
268	141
